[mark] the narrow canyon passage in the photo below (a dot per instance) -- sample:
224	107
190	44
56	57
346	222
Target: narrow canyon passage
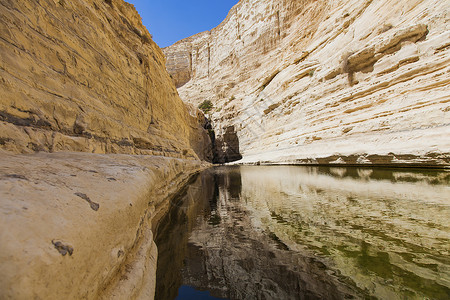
102	129
291	232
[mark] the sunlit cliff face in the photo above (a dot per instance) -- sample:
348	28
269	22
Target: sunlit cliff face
87	77
308	80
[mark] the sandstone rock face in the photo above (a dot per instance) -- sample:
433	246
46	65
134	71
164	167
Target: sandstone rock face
354	82
86	76
79	225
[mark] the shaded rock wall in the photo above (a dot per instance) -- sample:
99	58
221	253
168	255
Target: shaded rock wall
355	82
86	76
226	147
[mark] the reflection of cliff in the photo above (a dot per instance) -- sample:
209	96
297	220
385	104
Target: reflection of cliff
284	232
173	231
387	231
231	259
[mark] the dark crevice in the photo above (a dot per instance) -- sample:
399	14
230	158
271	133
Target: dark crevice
78	130
269	80
31	122
226	146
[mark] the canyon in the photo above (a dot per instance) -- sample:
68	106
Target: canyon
324	82
100	128
94	142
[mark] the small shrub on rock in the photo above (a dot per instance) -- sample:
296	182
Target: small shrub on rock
206	106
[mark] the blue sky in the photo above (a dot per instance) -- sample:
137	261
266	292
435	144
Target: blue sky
169	21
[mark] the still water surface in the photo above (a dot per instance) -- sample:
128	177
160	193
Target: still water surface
291	232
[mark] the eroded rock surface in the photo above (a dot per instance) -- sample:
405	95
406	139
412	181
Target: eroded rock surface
86	76
55	245
354	82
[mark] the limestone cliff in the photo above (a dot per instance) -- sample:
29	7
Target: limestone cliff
86	76
355	82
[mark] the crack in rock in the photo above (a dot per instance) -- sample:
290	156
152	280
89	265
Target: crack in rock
17	176
94	206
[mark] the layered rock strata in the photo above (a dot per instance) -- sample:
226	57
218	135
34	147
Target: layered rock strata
79	225
351	82
86	76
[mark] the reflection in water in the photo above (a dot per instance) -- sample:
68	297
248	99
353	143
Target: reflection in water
186	292
290	232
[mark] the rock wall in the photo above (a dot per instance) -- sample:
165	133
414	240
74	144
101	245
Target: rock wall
86	76
355	82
